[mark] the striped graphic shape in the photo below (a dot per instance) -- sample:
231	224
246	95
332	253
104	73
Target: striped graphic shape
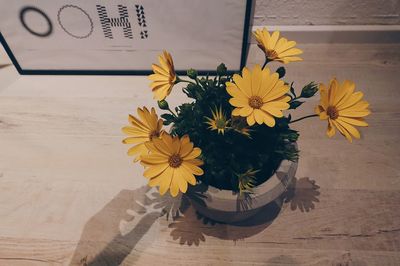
141	18
108	23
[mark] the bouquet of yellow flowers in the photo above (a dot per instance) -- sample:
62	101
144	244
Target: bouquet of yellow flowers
233	134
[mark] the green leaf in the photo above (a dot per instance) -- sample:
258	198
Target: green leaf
292	90
295	104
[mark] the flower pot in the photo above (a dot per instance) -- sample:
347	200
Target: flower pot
230	207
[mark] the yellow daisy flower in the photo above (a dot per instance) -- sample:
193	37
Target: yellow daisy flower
258	95
172	163
141	131
343	108
164	76
218	121
276	49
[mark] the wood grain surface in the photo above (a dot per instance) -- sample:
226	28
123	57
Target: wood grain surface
69	195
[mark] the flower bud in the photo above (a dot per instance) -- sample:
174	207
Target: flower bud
221	70
163	105
281	72
309	90
192	73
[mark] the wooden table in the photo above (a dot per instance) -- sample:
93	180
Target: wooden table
70	195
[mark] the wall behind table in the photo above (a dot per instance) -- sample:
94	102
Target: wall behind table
327	12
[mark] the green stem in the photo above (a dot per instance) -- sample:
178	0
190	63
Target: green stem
266	62
169	109
296	98
187	81
301	118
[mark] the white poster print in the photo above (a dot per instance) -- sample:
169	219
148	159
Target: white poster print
124	34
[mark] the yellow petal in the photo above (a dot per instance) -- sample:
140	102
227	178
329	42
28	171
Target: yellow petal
324	96
166	178
251	120
134	131
187	175
256	78
162	147
332	90
273	40
351	129
182	183
176	145
134	140
360	106
318	109
347	87
323	115
278	91
350	113
168	140
236	112
234	91
331	129
162	92
238	102
159	70
151	147
157	158
246	111
246	75
268	83
192	168
289	59
158	77
164	64
155	170
268	120
194	154
272	111
353	121
284	45
258	115
196	162
186	149
291	52
242	85
138	149
353	99
342	130
277	105
174	186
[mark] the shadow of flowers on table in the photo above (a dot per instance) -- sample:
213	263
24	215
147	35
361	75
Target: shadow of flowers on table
113	232
302	194
192	228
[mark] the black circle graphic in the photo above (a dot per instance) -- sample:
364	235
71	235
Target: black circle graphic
69	33
22	19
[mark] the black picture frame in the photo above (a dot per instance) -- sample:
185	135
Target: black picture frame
243	59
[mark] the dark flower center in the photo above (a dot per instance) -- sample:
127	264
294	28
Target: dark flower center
172	78
255	102
175	161
220	123
332	112
272	54
153	134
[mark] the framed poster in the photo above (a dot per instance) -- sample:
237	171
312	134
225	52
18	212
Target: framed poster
123	37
